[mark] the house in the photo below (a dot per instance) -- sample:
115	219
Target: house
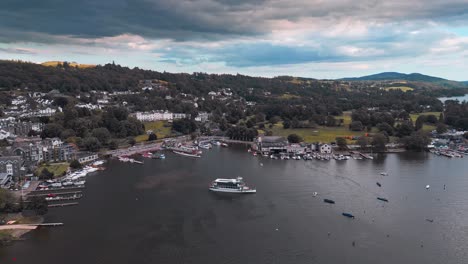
202	117
271	144
4	134
86	157
325	149
11	165
4	179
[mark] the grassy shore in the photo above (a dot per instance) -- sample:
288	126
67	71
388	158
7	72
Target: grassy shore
162	129
6	236
319	134
58	169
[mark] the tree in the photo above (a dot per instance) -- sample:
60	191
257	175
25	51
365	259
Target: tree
152	137
378	142
8	202
51	130
419	122
417	140
67	133
341	142
60	101
38	204
91	144
286	123
46	174
113	144
294	138
404	129
441	128
184	126
431	119
131	141
102	134
385	127
74	164
274	119
362	142
356	126
331	121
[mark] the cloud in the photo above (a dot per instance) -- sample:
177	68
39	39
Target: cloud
236	35
18	50
184	20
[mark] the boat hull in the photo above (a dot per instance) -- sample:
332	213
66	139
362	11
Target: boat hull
226	190
187	154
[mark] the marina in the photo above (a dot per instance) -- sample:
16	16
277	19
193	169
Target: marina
284	208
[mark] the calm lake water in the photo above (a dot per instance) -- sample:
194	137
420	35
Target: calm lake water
459	98
162	212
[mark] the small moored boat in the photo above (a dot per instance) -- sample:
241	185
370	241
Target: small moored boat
382	199
348	215
329	201
378	184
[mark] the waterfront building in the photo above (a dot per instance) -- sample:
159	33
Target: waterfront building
11	165
86	157
271	144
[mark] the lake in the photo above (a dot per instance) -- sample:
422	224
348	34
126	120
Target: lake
162	212
459	98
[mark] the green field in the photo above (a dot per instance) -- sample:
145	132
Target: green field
415	116
158	128
346	118
288	96
402	88
58	169
320	134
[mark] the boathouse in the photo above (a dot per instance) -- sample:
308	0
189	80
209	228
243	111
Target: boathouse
271	144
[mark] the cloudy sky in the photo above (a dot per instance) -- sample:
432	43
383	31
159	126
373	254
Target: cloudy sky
309	38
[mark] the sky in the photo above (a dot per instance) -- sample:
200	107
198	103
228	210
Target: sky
322	39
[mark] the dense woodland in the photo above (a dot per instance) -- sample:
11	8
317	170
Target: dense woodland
298	103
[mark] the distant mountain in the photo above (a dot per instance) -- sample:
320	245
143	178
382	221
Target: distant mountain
412	77
396	76
73	64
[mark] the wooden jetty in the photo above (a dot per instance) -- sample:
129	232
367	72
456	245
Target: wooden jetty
63	204
55	193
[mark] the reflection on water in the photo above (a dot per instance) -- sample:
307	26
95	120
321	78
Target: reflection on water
162	212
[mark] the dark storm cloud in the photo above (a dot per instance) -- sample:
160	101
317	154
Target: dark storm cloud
182	20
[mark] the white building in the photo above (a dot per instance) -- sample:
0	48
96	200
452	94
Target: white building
4	134
202	117
325	149
158	116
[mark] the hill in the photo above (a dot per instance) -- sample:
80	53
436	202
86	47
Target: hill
412	77
72	64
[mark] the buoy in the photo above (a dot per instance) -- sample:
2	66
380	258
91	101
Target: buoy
428	186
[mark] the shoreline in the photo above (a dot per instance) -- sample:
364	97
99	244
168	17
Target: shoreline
15	232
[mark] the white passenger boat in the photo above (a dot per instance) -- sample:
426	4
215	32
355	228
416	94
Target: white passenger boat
230	186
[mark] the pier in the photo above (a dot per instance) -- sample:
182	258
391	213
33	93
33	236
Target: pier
62	204
56	193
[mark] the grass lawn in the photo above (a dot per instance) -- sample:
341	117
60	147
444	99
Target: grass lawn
288	96
320	134
56	168
158	128
346	118
403	88
415	116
